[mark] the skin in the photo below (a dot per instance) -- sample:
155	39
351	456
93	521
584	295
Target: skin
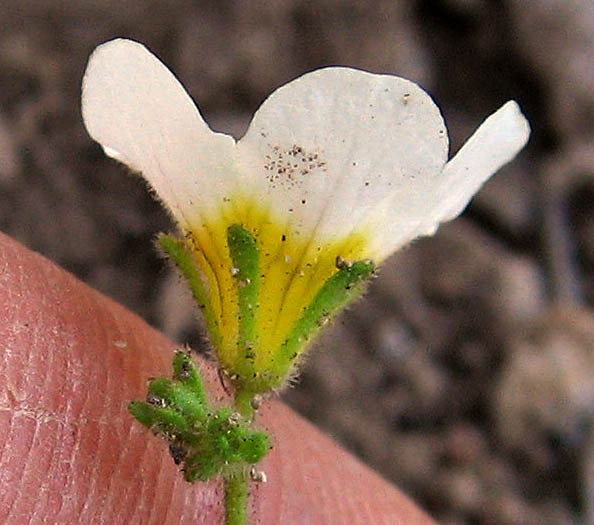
71	359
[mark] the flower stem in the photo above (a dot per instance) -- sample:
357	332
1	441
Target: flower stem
243	403
236	499
237	486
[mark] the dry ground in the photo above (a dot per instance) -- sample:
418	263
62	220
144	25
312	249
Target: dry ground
467	374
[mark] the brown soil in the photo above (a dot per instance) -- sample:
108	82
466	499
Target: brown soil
466	375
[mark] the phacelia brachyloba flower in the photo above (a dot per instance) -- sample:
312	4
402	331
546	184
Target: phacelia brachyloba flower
282	228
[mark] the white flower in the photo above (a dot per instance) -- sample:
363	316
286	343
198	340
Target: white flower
339	163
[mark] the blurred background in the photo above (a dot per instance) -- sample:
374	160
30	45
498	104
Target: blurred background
466	375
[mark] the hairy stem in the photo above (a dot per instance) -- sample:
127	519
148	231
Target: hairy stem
236	499
237	486
243	403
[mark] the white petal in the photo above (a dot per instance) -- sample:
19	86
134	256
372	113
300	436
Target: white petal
142	116
338	148
497	141
445	195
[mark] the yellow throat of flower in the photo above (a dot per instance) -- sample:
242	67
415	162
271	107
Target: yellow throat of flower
265	288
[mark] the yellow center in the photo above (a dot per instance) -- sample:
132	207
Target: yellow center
293	268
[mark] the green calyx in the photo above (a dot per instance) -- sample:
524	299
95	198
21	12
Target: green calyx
252	377
181	253
249	372
206	441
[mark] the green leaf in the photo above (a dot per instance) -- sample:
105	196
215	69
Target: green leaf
206	440
186	372
181	397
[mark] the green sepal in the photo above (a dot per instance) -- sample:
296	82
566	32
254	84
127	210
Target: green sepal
208	441
338	291
180	252
245	255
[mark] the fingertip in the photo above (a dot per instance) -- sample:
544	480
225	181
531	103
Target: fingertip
70	452
317	481
72	360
